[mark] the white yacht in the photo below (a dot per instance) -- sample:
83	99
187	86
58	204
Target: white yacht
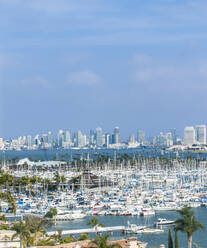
162	222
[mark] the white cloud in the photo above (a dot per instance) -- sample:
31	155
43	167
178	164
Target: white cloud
38	81
85	77
169	75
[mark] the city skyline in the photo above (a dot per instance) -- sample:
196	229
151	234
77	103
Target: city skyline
102	63
99	138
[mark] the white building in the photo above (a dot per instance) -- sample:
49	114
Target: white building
189	136
201	134
1	144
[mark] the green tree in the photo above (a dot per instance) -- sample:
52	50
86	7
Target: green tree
22	231
170	240
176	240
188	224
6	196
36	225
102	242
94	222
51	213
84	236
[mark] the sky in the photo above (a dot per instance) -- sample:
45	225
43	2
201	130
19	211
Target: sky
81	64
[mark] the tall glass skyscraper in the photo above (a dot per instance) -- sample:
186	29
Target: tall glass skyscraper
201	134
116	135
189	135
99	137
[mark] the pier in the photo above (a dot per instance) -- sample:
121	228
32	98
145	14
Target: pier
89	230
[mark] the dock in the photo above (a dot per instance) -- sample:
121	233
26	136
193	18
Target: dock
89	230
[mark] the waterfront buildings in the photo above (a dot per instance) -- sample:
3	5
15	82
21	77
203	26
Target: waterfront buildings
201	134
99	137
1	144
189	136
116	135
65	139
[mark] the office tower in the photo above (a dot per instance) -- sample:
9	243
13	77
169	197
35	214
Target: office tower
66	136
92	137
141	137
60	138
107	140
44	138
131	139
29	141
201	134
169	139
103	140
79	139
116	135
189	136
50	139
174	136
1	144
36	140
99	142
84	140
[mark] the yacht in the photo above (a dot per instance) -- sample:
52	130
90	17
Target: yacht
162	222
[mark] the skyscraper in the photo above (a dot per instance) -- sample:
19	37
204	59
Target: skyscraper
189	136
201	134
50	139
67	136
107	140
116	135
60	138
99	136
141	137
79	139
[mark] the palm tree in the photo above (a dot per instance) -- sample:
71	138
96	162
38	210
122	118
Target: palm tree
188	224
102	242
6	196
36	225
94	222
22	231
176	240
170	241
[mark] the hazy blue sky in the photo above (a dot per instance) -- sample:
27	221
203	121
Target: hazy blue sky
79	64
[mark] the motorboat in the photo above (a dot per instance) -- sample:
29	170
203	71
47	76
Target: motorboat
162	222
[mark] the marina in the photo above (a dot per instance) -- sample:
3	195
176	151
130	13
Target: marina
140	192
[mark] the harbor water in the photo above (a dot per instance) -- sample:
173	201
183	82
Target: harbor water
153	240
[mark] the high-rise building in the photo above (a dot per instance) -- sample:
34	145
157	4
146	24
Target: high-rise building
116	135
1	144
174	136
99	141
189	136
141	137
201	134
132	139
79	139
50	139
67	136
107	140
29	141
92	138
60	138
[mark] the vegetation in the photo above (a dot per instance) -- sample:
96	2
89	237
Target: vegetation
22	231
95	222
170	240
84	236
102	242
188	224
36	225
176	240
51	213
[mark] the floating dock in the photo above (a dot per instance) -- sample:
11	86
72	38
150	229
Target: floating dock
90	230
